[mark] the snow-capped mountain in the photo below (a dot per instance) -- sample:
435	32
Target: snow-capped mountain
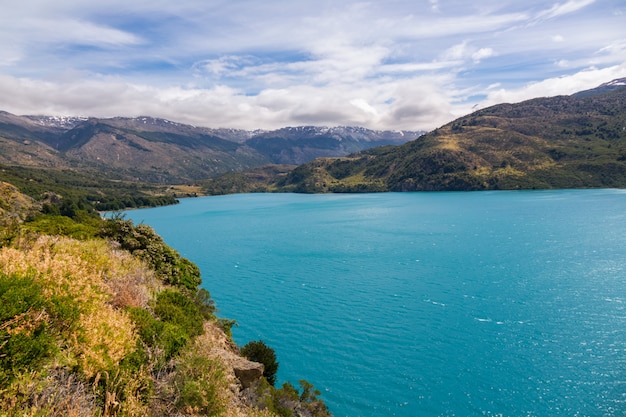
62	122
160	150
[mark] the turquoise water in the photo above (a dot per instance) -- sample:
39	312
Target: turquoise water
424	304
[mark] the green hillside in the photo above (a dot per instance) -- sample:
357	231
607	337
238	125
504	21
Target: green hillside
574	141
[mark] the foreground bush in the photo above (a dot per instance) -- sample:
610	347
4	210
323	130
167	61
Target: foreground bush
143	242
58	323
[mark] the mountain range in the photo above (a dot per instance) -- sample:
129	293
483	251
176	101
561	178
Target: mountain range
573	141
155	150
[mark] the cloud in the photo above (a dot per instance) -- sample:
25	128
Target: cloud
411	104
465	51
481	54
364	106
80	32
564	85
230	65
400	64
560	9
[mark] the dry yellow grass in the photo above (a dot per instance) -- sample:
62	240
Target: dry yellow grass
450	143
92	274
182	189
101	280
509	172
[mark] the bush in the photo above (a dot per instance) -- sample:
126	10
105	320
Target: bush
64	226
205	303
28	322
176	320
143	242
259	352
175	308
287	399
200	381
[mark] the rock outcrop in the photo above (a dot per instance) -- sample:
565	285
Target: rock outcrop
247	372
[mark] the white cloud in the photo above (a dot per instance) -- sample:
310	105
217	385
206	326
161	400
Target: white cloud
481	54
564	85
400	64
411	104
563	63
559	9
462	25
80	32
224	65
363	105
465	51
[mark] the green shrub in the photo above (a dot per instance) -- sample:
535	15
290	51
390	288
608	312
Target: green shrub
9	230
200	381
205	303
29	323
154	333
258	351
227	326
288	398
64	226
177	319
174	307
143	242
285	399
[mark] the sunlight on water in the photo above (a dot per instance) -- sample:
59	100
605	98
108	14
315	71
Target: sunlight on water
424	304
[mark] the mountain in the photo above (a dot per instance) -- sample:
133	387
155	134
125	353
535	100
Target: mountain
302	144
572	141
160	151
603	88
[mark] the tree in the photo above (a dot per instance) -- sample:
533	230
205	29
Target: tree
258	351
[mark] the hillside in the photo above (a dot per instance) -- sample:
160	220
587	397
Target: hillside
573	141
152	150
101	318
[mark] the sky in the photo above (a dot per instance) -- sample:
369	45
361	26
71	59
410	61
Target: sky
380	64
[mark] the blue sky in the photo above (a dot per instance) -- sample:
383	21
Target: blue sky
392	64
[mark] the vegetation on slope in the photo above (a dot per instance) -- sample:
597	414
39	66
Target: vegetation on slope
112	322
82	189
262	179
560	142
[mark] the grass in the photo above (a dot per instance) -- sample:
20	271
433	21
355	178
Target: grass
72	339
67	269
86	328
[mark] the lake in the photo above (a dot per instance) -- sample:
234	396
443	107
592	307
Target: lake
504	303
